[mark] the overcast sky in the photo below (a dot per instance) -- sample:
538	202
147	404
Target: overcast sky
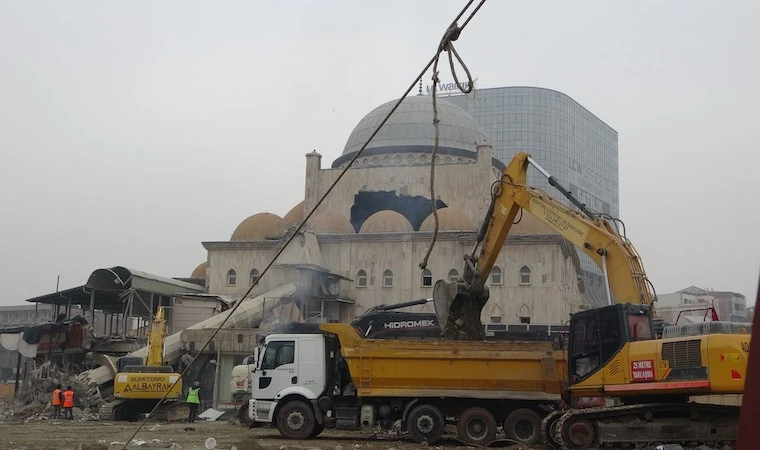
131	132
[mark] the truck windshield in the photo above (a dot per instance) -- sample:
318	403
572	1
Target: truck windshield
278	353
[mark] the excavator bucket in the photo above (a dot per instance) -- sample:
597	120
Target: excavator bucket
458	311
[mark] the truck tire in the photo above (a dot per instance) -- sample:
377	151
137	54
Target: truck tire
524	426
425	424
476	426
295	420
317	430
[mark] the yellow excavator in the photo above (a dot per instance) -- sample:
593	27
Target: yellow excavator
612	351
138	387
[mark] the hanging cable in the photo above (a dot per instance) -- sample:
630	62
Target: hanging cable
432	61
446	45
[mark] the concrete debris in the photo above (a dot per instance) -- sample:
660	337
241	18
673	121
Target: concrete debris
32	403
211	414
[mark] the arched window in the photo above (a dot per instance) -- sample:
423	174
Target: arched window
524	313
496	276
496	314
525	276
254	276
361	279
453	275
387	278
231	277
427	278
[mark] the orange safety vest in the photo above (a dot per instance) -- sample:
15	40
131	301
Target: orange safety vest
68	399
56	397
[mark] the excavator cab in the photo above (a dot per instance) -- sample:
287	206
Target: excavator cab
596	335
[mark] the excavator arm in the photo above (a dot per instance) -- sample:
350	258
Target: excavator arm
459	304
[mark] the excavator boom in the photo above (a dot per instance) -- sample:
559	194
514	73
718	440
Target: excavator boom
459	304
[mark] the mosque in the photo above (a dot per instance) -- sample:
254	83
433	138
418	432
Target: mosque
363	245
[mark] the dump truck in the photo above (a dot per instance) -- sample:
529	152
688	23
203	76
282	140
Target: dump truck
315	376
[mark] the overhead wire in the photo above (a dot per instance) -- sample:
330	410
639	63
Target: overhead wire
452	31
446	45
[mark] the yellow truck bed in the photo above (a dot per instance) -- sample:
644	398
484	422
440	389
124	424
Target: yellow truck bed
433	368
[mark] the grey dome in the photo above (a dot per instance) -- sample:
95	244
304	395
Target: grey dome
412	125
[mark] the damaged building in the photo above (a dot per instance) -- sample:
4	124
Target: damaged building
361	248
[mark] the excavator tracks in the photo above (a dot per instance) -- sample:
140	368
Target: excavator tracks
691	424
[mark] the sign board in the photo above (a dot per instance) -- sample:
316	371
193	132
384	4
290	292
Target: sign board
447	88
642	370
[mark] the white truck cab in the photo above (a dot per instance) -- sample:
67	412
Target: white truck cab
289	378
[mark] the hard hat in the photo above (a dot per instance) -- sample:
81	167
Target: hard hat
196	384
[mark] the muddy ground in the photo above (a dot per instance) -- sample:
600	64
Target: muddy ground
59	434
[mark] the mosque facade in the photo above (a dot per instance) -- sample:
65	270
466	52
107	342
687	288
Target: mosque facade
363	245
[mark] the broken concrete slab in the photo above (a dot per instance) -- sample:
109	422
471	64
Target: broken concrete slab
211	414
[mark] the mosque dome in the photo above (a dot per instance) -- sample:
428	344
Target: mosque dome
411	125
449	219
386	221
295	215
330	222
259	227
200	271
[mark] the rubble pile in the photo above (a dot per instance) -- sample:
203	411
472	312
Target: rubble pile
33	399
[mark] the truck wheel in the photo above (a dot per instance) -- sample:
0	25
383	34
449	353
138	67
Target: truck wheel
317	430
425	424
524	426
295	420
477	426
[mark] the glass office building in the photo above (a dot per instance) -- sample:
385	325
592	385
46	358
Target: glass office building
565	138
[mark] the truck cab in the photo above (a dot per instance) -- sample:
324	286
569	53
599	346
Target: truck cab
292	381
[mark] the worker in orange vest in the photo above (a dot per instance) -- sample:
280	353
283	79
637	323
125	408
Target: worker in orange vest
57	401
68	403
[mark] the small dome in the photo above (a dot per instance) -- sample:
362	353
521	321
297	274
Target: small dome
386	221
412	125
259	227
528	224
330	222
200	271
449	219
295	215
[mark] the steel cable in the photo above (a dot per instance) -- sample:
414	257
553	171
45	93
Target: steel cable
446	45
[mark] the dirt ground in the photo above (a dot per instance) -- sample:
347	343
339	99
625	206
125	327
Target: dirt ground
100	435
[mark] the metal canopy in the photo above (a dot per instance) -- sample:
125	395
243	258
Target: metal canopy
112	288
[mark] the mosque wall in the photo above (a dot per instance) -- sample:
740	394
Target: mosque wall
550	296
465	186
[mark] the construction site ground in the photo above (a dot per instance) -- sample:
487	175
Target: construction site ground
64	434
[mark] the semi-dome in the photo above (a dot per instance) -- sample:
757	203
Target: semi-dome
411	125
330	222
449	219
200	271
295	215
259	227
386	221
